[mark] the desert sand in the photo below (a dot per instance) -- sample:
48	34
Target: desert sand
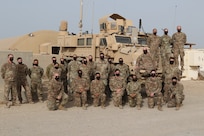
36	120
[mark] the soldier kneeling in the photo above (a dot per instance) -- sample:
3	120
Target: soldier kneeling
57	99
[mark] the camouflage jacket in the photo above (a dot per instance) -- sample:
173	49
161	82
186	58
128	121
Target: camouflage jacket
171	71
145	61
97	86
64	71
166	42
79	85
153	84
8	71
153	43
48	69
102	67
177	89
133	87
124	70
22	72
179	39
54	70
35	73
117	83
55	89
86	71
73	66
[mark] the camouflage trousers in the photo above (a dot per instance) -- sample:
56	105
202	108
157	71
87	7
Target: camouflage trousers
155	100
27	92
53	103
36	89
167	92
10	88
177	52
177	99
165	59
101	98
80	99
133	101
65	83
117	98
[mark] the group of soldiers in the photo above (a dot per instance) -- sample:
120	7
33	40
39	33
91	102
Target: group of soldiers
88	81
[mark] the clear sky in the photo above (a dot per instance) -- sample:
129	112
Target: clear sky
19	17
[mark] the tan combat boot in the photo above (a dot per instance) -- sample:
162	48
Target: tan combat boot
138	107
160	108
62	108
84	107
177	106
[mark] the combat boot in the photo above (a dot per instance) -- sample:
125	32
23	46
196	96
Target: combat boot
84	107
121	106
160	108
139	107
103	106
182	68
62	108
177	106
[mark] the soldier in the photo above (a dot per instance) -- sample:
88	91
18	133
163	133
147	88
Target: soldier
63	65
55	69
56	99
112	68
8	73
177	96
153	89
92	66
179	39
124	69
171	71
166	42
54	61
153	43
133	91
98	91
35	73
117	86
86	70
80	87
22	72
145	62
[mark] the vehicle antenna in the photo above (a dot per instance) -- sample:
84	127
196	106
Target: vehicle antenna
92	17
81	17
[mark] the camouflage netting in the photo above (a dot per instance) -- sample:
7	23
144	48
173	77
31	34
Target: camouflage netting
63	26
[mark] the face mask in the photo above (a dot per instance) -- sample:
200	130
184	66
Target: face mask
134	79
35	64
165	33
117	74
54	61
171	62
56	67
155	33
11	59
173	83
102	57
90	60
85	62
121	62
19	62
153	75
57	78
62	62
75	58
80	74
179	30
98	77
145	51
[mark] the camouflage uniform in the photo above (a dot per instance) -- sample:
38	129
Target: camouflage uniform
134	88
166	42
8	73
98	92
145	62
80	87
55	70
154	85
64	76
103	68
124	71
177	95
86	70
92	66
170	71
117	86
55	90
153	43
179	39
35	73
22	72
111	70
48	70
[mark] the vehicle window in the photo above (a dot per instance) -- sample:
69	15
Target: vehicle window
80	42
142	41
121	39
89	41
103	42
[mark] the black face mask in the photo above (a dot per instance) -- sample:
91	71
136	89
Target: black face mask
54	61
35	64
11	59
179	31
62	62
102	57
117	74
20	62
134	79
153	75
57	78
109	61
98	77
165	33
155	33
121	62
145	51
85	62
174	83
90	60
56	67
171	62
80	74
75	58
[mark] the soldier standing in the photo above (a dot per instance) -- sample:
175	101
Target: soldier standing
117	86
124	69
55	69
166	42
64	67
98	91
22	72
133	91
57	99
35	73
179	39
177	96
8	73
80	87
92	66
54	61
153	43
153	89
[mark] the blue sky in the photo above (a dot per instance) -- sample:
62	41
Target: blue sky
19	17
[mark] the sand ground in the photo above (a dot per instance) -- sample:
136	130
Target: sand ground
36	120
